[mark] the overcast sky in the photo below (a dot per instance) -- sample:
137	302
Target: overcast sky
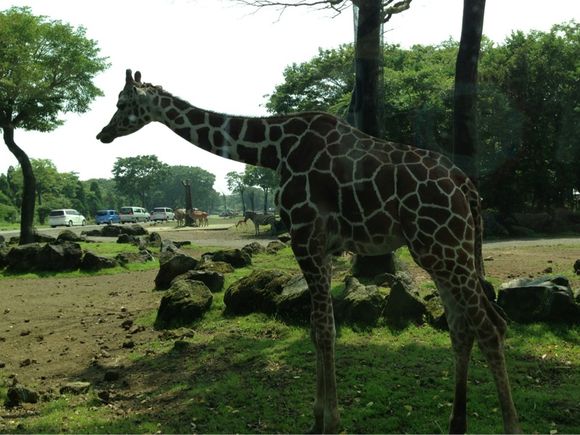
225	57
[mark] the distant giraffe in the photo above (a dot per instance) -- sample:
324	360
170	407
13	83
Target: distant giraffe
342	189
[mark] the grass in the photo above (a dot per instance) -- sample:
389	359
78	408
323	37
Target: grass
256	374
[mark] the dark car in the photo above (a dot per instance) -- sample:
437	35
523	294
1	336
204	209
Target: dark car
107	217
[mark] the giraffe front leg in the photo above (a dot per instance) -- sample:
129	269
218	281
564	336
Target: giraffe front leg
316	270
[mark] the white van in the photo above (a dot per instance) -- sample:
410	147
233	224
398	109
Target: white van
133	214
65	217
162	214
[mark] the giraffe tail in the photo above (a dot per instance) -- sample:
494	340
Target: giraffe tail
496	313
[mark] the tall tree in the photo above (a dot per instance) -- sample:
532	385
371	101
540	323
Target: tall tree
465	138
235	182
264	178
46	70
137	176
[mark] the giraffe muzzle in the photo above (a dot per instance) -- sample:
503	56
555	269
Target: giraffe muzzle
104	137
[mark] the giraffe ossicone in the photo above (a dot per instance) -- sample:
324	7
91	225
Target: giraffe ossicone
343	189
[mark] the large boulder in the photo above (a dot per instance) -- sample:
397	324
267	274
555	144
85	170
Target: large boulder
50	256
185	302
111	231
70	236
143	256
362	304
3	256
538	222
213	280
172	266
94	262
255	292
577	267
544	299
253	248
403	306
60	256
372	265
23	258
235	257
293	303
216	266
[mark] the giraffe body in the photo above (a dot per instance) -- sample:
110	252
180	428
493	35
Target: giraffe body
344	190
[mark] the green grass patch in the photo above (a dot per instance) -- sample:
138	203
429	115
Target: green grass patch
256	374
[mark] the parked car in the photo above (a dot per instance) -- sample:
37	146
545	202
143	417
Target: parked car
133	214
162	214
65	217
107	217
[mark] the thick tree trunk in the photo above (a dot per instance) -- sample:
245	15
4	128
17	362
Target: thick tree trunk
465	138
366	106
364	110
29	187
188	203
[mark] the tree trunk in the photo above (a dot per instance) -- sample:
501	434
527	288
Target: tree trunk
188	203
29	187
266	201
243	201
366	107
465	138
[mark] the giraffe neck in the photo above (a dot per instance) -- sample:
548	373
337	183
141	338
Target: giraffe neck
247	140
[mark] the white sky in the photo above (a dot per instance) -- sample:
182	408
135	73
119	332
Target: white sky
225	57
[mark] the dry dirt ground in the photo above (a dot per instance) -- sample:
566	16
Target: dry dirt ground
54	330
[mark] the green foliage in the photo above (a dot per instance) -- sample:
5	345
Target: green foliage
528	108
46	69
137	176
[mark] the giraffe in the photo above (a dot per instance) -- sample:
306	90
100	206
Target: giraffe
341	189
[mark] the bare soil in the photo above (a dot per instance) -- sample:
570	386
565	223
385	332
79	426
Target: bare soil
55	330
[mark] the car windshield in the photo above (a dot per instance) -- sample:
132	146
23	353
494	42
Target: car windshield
57	213
127	210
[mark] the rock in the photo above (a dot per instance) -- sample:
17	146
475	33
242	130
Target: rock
168	246
253	248
2	241
93	262
402	306
18	394
124	258
92	233
293	303
544	299
213	280
255	292
23	258
127	238
185	302
235	257
51	256
359	303
274	246
285	238
111	231
172	266
216	266
60	257
371	266
154	239
70	236
577	267
3	256
78	387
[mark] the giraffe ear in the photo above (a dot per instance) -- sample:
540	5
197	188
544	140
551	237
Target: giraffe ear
138	76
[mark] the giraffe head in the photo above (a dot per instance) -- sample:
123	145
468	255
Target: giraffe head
132	110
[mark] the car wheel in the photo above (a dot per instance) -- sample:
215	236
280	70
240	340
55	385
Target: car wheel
53	226
70	223
83	223
110	221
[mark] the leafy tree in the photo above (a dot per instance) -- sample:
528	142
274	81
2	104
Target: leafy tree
46	69
264	178
236	184
137	176
170	191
